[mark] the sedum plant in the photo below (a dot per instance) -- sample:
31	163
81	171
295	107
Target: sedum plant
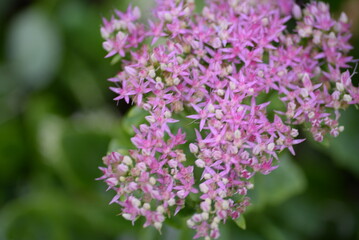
247	74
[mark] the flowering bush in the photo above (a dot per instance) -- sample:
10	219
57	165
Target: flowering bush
248	72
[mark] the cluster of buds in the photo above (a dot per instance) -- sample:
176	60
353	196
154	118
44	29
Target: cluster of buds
245	79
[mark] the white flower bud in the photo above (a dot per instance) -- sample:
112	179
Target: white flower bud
190	223
294	132
347	98
265	21
157	225
260	73
171	202
181	194
216	219
193	148
163	66
214	225
176	81
179	59
200	163
152	181
150	119
343	18
127	216
205	216
207	176
341	128
203	187
127	160
339	86
210	108
153	58
311	115
168	114
160	209
220	92
219	114
232	86
225	205
304	92
135	202
168	17
152	73
237	134
147	206
270	146
250	186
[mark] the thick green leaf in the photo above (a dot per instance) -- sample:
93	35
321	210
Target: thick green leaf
241	222
345	148
280	185
134	117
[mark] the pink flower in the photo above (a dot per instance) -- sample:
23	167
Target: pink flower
221	68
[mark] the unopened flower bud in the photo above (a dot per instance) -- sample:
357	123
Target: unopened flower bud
343	18
168	114
207	176
347	98
157	225
152	73
210	108
127	160
200	163
168	17
190	223
225	204
219	114
203	187
160	209
270	146
220	92
339	86
193	148
294	132
297	12
181	194
171	202
311	115
152	181
205	216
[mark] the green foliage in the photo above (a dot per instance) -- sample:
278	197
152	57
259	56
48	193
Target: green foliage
241	222
285	182
33	48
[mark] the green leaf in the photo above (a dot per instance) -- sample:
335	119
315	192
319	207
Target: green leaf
344	149
33	48
280	185
134	117
241	222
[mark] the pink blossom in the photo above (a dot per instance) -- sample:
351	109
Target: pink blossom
221	69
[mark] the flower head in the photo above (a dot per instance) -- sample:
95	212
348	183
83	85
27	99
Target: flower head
214	68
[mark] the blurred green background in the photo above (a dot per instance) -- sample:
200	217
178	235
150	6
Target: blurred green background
57	119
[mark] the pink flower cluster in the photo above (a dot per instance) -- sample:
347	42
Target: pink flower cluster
245	79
